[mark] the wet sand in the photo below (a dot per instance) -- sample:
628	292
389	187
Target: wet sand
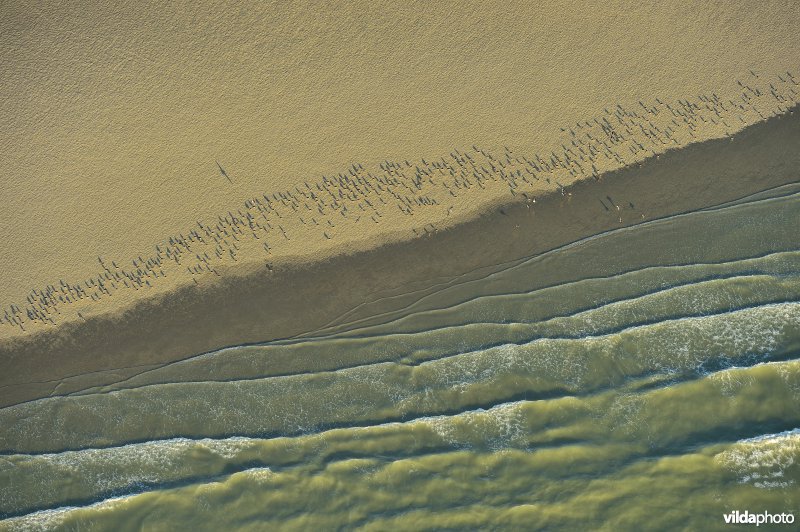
301	298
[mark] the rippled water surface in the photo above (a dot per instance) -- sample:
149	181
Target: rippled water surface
646	378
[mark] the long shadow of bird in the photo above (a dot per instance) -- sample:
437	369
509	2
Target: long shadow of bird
223	172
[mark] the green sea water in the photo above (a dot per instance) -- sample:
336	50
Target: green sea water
644	379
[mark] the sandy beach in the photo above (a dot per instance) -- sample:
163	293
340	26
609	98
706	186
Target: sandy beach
259	149
299	298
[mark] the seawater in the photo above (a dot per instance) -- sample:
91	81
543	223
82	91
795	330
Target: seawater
647	378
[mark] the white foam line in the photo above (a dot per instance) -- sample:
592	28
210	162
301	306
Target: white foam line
775	436
254	440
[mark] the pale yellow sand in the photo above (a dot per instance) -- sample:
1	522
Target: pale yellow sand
114	118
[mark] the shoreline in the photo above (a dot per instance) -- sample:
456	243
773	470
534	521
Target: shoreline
288	302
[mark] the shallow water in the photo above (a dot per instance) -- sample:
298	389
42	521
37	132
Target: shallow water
647	378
